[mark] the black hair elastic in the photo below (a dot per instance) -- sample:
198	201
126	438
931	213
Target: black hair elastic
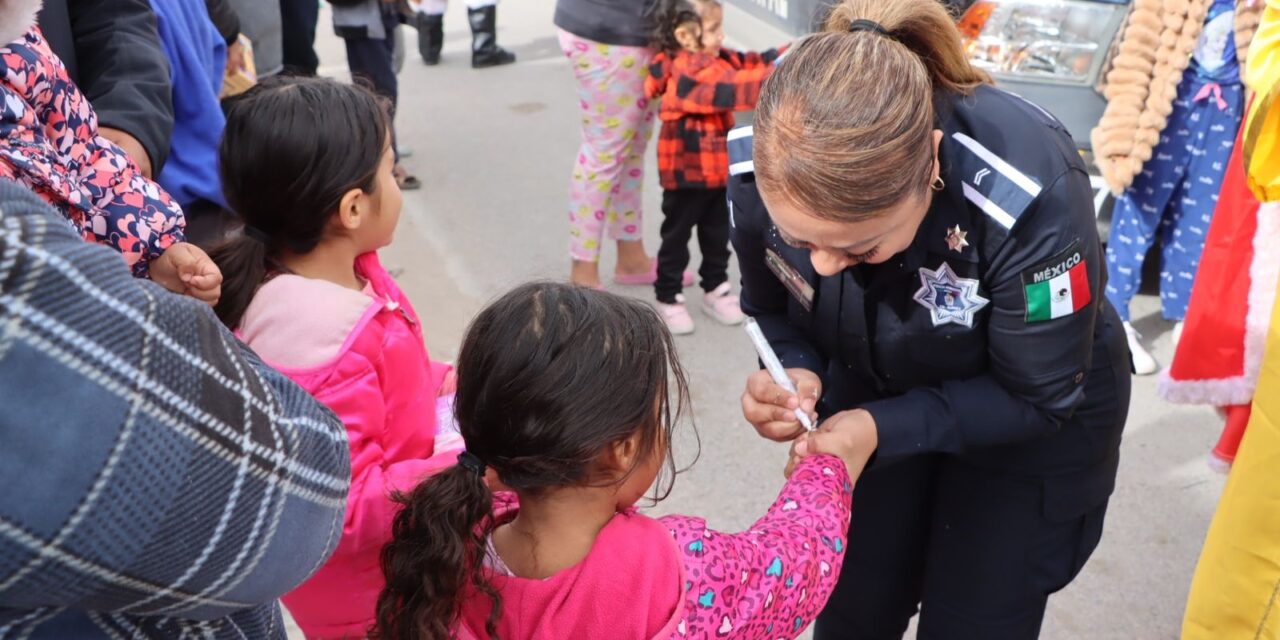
471	463
868	25
255	233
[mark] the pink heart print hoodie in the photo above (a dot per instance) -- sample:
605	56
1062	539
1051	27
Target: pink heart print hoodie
673	578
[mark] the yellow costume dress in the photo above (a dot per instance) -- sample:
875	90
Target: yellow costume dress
1236	589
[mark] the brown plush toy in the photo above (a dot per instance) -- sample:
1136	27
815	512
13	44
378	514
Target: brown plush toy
1142	84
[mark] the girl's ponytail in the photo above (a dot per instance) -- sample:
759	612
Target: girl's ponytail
550	376
437	551
291	149
243	262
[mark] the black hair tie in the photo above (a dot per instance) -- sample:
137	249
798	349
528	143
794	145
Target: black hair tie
868	25
471	463
255	233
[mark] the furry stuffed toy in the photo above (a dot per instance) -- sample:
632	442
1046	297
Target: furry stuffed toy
16	16
1142	84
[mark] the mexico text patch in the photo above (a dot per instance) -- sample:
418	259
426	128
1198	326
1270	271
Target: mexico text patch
1057	287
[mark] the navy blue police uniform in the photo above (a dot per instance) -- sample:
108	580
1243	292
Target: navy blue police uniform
996	371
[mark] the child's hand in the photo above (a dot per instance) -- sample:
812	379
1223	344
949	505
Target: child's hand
849	435
187	269
236	61
771	409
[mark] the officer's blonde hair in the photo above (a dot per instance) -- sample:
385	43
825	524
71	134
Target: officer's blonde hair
843	127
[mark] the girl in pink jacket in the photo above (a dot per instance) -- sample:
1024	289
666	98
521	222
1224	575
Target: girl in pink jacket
571	395
307	164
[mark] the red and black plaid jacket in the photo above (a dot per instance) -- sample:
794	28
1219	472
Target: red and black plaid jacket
699	95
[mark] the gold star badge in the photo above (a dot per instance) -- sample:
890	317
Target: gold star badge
956	239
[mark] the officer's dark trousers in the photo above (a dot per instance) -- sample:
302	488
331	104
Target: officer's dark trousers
683	210
972	547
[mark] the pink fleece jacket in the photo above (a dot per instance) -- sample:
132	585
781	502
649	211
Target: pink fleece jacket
362	355
673	578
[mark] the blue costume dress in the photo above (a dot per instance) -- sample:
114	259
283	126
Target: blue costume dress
1177	190
197	58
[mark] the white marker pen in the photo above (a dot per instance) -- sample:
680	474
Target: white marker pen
774	367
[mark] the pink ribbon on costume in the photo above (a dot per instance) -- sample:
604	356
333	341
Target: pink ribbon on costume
1212	89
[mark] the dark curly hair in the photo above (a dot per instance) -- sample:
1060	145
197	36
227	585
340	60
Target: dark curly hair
549	377
669	15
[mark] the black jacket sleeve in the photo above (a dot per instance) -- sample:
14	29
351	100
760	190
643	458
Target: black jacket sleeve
224	18
763	296
124	72
1036	369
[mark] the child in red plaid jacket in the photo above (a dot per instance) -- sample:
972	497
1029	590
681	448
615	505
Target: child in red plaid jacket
700	85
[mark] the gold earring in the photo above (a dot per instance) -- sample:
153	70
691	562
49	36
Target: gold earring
938	184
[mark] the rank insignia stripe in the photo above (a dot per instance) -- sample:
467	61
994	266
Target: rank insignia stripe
992	184
739	148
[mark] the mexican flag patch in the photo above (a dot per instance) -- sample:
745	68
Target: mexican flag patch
1058	287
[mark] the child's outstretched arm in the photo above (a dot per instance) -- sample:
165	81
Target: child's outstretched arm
773	579
754	59
705	85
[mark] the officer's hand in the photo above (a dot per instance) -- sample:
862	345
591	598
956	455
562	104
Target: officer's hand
771	409
848	435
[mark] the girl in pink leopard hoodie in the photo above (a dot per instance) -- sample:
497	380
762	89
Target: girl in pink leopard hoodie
307	164
570	395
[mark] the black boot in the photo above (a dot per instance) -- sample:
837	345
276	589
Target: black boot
430	38
485	51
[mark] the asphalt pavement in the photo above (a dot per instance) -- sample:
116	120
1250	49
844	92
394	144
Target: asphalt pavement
494	149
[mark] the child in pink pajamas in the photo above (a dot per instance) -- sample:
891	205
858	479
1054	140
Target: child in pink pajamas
562	552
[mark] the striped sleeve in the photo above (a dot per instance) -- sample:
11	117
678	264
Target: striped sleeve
1045	285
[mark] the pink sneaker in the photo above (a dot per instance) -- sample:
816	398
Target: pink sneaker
677	317
723	306
637	279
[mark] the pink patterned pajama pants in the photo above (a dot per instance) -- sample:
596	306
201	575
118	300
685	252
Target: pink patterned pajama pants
617	121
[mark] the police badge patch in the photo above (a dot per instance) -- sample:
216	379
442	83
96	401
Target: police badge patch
949	298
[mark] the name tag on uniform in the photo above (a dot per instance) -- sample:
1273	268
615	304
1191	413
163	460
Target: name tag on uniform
791	279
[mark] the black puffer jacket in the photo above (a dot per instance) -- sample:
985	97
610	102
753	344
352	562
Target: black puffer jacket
112	52
616	22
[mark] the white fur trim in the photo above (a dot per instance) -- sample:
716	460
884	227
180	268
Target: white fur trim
1220	392
16	16
1264	273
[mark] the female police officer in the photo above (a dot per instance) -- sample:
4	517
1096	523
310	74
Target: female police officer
920	248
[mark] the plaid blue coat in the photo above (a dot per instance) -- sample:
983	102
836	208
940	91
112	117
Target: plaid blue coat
156	479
